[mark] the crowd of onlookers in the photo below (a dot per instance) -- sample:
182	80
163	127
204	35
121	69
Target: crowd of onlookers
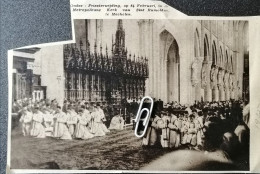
203	126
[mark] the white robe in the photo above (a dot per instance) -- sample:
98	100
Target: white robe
151	137
192	133
200	133
86	113
82	131
101	113
98	127
165	131
48	122
117	123
184	132
26	120
61	130
175	132
72	119
38	130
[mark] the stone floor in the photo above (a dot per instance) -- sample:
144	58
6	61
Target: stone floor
117	150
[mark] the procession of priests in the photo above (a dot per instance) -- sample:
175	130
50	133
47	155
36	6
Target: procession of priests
75	120
203	125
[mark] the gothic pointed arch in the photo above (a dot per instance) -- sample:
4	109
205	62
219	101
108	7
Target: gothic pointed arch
205	78
196	43
206	48
214	72
166	39
169	51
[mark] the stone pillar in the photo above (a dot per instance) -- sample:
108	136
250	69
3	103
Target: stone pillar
165	92
148	53
145	51
215	94
221	84
213	81
164	61
149	56
206	66
232	86
196	76
226	85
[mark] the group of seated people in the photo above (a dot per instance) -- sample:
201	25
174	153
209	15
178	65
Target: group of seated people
84	121
202	126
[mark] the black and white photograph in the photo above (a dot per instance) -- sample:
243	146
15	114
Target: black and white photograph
74	105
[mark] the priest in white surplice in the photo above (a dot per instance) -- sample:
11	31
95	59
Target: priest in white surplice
61	130
26	120
71	120
98	127
117	122
82	131
38	130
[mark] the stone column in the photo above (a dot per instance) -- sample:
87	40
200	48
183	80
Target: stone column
165	80
231	85
146	46
215	94
168	41
147	53
226	85
213	81
142	37
149	56
196	76
206	66
221	84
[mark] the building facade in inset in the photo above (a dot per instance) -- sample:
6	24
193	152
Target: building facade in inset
26	84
